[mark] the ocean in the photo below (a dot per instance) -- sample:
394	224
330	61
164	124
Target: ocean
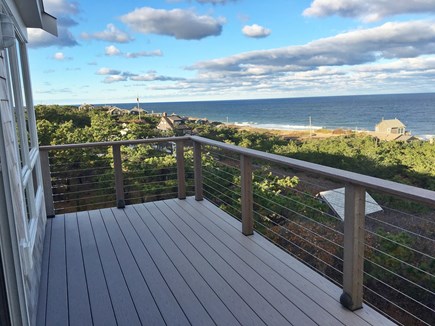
361	112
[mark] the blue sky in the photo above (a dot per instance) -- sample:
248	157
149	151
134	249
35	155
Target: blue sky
182	50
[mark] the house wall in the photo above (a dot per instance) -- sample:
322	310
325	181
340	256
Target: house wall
24	243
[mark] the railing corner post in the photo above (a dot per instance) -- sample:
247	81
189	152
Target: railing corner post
181	173
353	257
197	166
119	178
46	182
247	195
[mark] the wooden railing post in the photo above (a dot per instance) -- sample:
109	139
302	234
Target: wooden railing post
247	196
46	183
353	261
119	178
181	174
197	170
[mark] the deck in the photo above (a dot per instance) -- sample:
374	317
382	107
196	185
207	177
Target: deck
178	262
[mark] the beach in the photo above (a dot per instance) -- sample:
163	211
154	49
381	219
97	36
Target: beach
294	134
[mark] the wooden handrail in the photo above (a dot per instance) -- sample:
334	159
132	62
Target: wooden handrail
112	143
390	187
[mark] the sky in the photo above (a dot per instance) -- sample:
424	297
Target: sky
187	50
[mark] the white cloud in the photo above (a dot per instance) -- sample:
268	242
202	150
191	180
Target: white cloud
382	59
114	78
152	76
108	71
391	40
60	7
39	38
114	75
110	34
59	56
133	55
256	31
368	10
179	23
112	50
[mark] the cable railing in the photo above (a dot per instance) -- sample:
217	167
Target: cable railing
385	258
90	176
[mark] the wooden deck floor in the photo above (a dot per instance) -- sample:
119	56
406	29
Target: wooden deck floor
178	262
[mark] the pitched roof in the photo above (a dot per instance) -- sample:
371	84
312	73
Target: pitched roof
392	123
335	200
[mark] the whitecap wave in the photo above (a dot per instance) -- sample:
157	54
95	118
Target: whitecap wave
426	137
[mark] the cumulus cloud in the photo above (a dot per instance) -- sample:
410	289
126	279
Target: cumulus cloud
108	71
386	58
113	75
179	23
389	41
112	50
60	7
59	56
110	34
368	10
133	55
152	76
256	31
114	79
41	39
64	11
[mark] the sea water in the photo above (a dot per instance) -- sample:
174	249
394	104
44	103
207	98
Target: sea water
361	112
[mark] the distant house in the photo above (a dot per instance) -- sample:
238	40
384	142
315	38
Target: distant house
137	111
173	123
86	107
114	111
393	126
392	130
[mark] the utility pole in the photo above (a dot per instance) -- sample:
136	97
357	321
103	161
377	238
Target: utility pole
138	108
311	132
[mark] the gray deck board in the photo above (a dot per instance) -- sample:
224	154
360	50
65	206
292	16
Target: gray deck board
196	312
147	309
176	270
99	298
244	281
78	302
57	291
178	262
162	293
42	299
122	301
270	285
291	285
313	283
213	285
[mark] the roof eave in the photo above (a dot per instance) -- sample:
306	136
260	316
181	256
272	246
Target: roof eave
34	16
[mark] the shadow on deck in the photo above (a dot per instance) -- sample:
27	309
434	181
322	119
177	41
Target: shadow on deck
178	262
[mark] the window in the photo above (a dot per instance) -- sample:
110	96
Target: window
21	104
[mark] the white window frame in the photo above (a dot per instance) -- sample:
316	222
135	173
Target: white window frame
20	93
